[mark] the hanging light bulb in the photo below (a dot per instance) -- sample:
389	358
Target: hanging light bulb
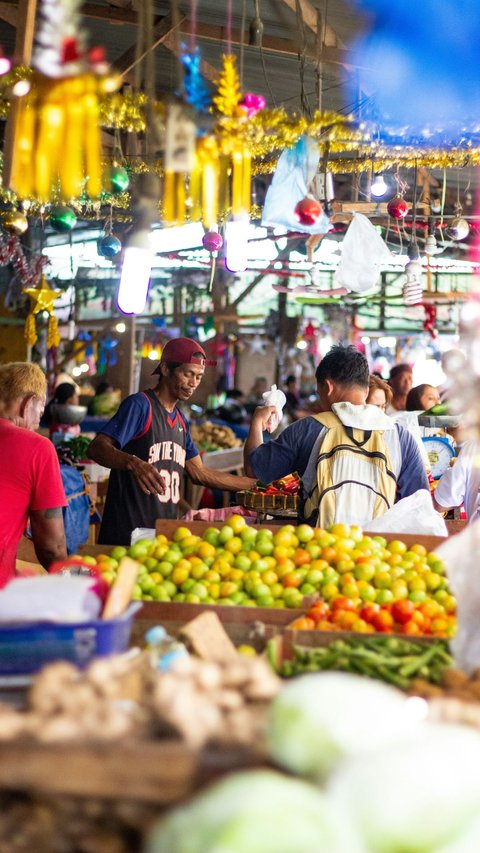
236	244
136	272
255	30
430	245
379	186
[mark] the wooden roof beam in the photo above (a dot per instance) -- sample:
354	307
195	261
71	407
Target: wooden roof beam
309	14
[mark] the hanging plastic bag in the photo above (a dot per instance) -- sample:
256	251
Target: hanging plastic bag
414	514
296	169
461	555
363	255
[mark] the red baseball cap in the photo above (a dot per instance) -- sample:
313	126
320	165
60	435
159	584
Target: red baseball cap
184	351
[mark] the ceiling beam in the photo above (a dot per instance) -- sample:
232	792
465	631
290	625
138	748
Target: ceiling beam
271	44
163	28
309	14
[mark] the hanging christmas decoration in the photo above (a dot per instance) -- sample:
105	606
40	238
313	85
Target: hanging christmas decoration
308	210
397	207
54	132
212	241
108	246
195	89
228	94
14	221
118	179
233	145
430	317
62	218
252	104
42	298
412	289
458	229
26	272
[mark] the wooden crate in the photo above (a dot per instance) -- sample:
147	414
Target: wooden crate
244	625
159	772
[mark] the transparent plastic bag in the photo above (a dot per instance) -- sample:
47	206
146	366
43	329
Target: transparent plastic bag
296	169
363	254
414	514
461	555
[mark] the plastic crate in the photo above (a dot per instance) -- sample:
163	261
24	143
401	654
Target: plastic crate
27	648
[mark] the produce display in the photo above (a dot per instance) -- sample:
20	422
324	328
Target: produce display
281	494
362	582
396	661
454	684
73	451
210	437
201	702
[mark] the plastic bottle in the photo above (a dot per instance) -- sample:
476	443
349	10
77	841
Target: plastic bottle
165	649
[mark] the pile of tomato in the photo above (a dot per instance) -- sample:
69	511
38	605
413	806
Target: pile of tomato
428	618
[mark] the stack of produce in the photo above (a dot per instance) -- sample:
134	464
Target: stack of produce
210	437
353	575
201	702
396	661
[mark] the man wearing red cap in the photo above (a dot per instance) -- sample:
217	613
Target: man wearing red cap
148	447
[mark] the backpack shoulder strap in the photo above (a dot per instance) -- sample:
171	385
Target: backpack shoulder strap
328	420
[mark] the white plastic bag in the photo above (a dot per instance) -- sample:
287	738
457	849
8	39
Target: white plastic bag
274	397
461	555
142	533
296	168
414	514
363	255
50	598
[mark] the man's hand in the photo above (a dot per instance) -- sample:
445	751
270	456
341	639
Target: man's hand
147	476
262	415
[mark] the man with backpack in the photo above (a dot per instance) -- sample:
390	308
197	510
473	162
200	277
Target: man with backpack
354	461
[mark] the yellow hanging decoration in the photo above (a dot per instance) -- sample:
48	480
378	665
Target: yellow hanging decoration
234	142
53	335
42	298
53	131
228	91
30	332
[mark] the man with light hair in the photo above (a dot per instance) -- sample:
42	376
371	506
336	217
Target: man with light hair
30	481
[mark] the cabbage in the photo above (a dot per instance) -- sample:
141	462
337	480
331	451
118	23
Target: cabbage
319	719
256	811
415	796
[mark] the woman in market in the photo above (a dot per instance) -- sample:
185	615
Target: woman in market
421	398
148	446
379	393
65	395
400	382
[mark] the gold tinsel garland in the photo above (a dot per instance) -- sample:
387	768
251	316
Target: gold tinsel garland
263	136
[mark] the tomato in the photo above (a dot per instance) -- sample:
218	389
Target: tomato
292	579
383	621
342	602
410	628
319	611
369	611
303	623
403	610
301	557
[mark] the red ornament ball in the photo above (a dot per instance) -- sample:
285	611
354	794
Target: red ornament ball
397	207
308	210
212	241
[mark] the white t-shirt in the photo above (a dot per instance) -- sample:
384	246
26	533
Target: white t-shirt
461	483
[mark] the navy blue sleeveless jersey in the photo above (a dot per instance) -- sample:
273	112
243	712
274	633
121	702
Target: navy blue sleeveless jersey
162	442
